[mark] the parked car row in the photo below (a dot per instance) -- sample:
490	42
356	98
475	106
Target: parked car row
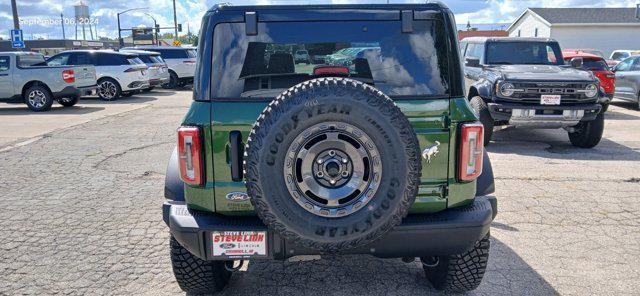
619	75
131	70
66	77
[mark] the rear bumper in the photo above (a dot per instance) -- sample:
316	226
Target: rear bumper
76	92
158	81
452	231
136	85
543	116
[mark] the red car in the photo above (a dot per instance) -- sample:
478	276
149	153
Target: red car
598	66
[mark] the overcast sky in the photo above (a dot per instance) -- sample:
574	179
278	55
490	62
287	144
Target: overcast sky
41	18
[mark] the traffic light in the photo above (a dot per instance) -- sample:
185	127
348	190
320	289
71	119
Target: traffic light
157	28
179	27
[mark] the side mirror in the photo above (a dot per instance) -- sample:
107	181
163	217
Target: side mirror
576	63
472	62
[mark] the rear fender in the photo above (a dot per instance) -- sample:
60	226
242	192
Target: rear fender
486	184
173	185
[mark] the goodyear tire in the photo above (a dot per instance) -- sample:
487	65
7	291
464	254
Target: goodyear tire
588	134
461	272
194	275
482	111
332	164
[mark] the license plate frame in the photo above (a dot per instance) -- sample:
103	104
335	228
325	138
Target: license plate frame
553	100
239	244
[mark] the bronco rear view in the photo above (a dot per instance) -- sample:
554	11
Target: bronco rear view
368	146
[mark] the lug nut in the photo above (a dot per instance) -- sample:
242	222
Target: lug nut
319	174
333	182
320	161
345	174
332	153
344	160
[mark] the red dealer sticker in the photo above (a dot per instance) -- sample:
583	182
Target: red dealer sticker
239	243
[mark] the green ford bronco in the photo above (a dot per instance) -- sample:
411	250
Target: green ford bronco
368	148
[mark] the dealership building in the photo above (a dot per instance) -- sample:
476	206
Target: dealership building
605	29
53	46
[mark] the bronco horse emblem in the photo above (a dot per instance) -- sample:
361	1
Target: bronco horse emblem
430	152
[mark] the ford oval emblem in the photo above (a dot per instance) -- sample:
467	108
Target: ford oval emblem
237	196
227	246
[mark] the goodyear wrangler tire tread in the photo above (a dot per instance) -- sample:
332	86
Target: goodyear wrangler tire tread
325	91
461	272
195	275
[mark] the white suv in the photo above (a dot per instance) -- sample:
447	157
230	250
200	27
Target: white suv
180	60
158	71
118	73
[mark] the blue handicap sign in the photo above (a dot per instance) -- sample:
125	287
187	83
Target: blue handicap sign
17	39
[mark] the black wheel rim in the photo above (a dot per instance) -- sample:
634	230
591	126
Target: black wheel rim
332	169
107	90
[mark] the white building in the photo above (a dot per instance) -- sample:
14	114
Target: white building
606	29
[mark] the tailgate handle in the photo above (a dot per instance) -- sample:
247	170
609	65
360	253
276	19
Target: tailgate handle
236	150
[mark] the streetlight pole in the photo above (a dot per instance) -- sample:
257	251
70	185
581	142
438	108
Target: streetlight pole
120	40
155	27
175	21
16	20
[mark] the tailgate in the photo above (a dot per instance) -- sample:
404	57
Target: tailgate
85	76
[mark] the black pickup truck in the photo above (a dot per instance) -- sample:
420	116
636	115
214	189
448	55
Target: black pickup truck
524	82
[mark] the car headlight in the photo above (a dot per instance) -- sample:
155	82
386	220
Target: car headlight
591	90
507	89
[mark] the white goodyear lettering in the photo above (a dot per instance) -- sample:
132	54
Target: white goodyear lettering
239	244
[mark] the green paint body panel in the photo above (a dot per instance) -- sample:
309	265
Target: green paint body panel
432	120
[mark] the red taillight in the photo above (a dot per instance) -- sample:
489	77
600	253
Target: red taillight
189	62
190	155
69	76
471	149
323	70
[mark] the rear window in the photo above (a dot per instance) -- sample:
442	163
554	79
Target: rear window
31	60
107	59
375	52
592	64
176	53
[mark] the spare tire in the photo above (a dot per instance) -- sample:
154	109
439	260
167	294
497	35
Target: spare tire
332	164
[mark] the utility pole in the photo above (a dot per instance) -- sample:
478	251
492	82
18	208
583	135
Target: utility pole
64	35
16	20
175	20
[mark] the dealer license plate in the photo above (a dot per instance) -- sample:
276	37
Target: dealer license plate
550	100
239	244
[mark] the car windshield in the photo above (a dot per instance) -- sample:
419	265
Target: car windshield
377	53
191	53
523	53
31	60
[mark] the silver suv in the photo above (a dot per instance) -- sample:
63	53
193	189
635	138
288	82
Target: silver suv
180	60
119	73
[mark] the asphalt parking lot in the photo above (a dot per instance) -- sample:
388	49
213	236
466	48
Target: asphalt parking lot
80	211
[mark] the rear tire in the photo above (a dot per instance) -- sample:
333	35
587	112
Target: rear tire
482	111
588	134
38	98
68	102
109	89
194	275
458	273
173	81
